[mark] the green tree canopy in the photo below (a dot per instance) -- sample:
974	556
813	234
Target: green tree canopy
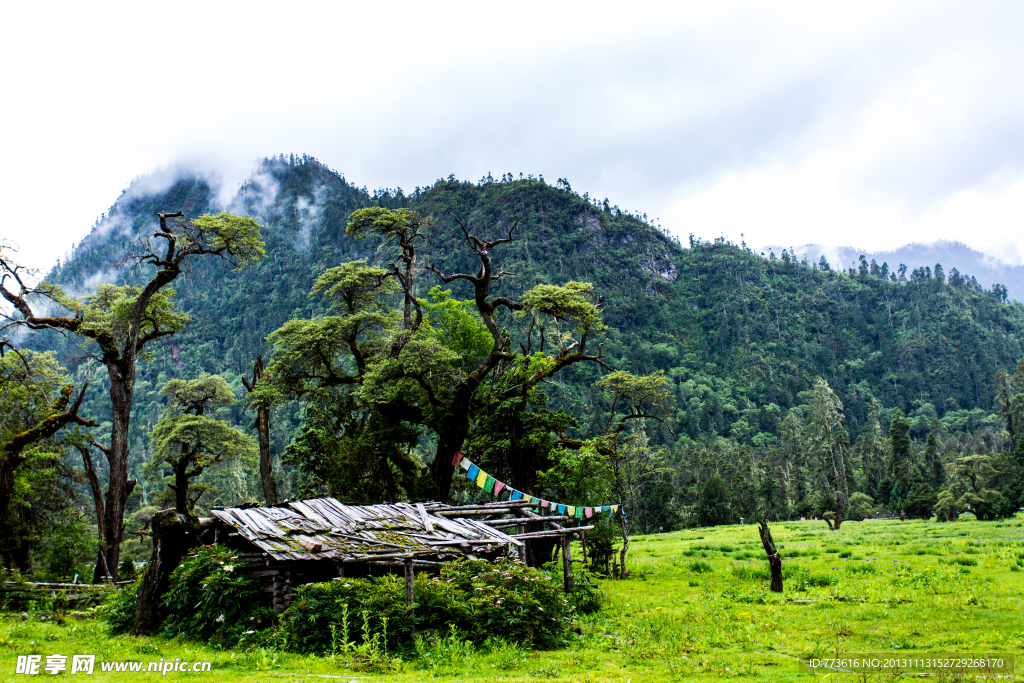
189	439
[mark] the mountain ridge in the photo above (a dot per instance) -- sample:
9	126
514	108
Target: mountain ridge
741	337
988	269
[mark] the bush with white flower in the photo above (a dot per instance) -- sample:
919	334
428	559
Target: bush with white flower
207	599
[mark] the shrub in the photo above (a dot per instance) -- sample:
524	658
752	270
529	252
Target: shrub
699	567
66	546
820	580
713	506
119	608
479	598
586	597
601	543
506	656
126	571
209	598
450	653
751	573
861	505
922	502
801	581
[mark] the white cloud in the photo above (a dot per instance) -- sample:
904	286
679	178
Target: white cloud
868	123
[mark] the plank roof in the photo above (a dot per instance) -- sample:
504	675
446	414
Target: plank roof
320	528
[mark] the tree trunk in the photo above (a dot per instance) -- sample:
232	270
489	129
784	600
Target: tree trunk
94	485
774	559
266	463
263	433
9	462
451	436
181	483
624	527
122	377
174	535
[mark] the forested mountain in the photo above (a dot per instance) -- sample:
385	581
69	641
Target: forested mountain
969	262
740	338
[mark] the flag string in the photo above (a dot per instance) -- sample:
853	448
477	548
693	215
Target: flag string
495	487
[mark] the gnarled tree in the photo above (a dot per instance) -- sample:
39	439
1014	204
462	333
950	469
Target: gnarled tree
571	312
31	410
119	322
190	439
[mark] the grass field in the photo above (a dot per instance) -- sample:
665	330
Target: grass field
697	607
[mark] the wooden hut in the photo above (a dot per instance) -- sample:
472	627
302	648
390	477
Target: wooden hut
319	539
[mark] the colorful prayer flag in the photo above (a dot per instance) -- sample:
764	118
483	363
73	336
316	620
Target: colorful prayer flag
473	471
544	503
516	495
481	478
489	484
589	512
498	486
465	463
458	456
579	513
561	509
570	510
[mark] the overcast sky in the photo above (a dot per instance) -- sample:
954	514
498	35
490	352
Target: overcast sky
869	124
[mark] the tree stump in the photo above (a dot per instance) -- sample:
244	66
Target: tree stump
774	560
174	535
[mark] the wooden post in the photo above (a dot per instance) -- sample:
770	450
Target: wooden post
522	549
408	585
567	561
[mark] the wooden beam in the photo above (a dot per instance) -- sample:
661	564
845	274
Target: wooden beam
409	584
515	521
475	512
435	507
427	525
567	563
563	531
541	518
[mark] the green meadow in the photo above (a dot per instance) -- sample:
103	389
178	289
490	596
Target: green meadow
697	606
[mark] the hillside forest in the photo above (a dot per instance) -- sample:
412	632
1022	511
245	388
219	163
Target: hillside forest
316	338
